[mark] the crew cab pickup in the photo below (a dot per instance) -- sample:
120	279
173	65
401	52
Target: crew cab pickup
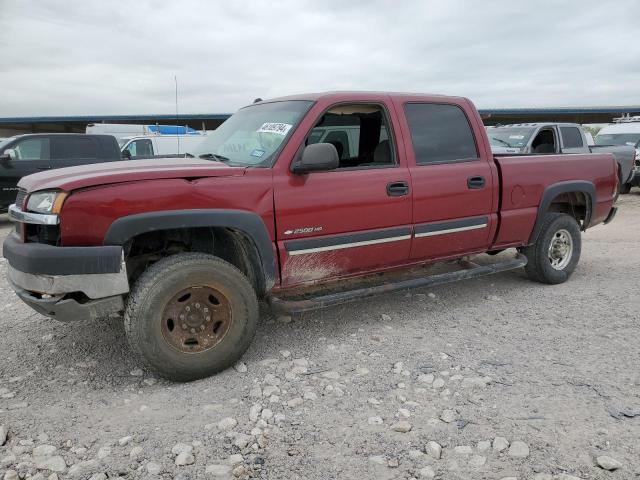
301	202
548	137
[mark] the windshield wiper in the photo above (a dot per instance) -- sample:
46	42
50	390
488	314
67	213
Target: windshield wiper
214	156
502	141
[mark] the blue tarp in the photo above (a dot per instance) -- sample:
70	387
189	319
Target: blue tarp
172	130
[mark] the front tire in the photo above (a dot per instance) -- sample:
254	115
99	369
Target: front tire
555	254
191	315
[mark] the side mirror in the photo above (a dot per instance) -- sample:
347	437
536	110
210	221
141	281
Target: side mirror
317	157
7	156
126	154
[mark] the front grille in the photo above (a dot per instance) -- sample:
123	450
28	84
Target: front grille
22	195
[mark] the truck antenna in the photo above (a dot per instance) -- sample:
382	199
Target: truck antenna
175	78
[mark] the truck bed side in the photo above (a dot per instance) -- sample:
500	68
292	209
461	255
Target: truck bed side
528	181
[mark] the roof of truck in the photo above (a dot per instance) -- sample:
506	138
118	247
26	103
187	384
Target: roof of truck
534	125
354	95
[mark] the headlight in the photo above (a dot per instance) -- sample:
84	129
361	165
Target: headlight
48	201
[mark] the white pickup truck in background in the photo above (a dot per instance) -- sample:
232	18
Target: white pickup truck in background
552	137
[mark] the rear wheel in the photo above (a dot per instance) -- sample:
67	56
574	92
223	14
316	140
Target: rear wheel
554	256
625	188
191	315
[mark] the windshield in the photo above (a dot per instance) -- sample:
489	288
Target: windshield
122	141
252	135
618	139
509	136
4	141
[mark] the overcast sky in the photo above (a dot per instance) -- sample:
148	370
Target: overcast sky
119	57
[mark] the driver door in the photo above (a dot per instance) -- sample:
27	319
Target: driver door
32	155
355	219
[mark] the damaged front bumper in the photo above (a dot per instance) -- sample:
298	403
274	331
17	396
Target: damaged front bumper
67	283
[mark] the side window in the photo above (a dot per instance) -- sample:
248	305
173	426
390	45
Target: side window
76	147
340	140
571	137
545	142
140	148
440	133
32	149
359	133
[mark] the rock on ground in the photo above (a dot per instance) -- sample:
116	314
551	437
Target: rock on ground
218	471
500	444
434	449
402	426
518	449
608	463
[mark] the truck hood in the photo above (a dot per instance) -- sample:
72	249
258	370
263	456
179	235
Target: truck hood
72	178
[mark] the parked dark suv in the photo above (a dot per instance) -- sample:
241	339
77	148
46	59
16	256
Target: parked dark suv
26	154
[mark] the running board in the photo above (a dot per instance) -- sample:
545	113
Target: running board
470	270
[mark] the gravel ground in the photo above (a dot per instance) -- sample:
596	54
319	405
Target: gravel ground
485	379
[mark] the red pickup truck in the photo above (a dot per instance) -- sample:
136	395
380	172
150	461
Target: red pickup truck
302	202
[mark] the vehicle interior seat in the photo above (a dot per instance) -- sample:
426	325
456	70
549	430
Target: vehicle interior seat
339	147
382	153
544	142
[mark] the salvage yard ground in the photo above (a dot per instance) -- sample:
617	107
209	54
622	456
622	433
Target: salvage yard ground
510	378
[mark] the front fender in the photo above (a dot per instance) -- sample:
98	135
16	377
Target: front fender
250	224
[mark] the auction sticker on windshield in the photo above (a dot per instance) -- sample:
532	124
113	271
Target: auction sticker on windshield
277	128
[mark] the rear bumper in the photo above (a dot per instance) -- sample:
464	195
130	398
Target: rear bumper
67	283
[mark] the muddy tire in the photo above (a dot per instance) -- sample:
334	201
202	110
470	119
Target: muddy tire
554	256
191	315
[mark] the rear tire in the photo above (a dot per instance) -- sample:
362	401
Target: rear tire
191	315
555	254
625	188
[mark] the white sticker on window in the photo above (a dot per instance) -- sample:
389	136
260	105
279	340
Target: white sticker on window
516	137
277	128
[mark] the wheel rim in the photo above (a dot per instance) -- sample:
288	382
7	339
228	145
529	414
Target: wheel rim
560	249
196	319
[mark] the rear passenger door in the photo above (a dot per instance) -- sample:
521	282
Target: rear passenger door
453	181
70	150
572	140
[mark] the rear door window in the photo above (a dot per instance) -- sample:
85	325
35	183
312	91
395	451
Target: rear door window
571	137
440	133
76	148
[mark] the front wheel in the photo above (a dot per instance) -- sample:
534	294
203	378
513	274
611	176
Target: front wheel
191	315
556	252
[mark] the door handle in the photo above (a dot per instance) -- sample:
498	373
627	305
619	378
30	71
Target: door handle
397	189
476	182
44	168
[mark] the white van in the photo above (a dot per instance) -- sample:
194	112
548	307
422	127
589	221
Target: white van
155	145
626	133
121	130
117	130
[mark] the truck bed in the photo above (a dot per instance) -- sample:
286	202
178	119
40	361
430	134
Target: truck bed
524	179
